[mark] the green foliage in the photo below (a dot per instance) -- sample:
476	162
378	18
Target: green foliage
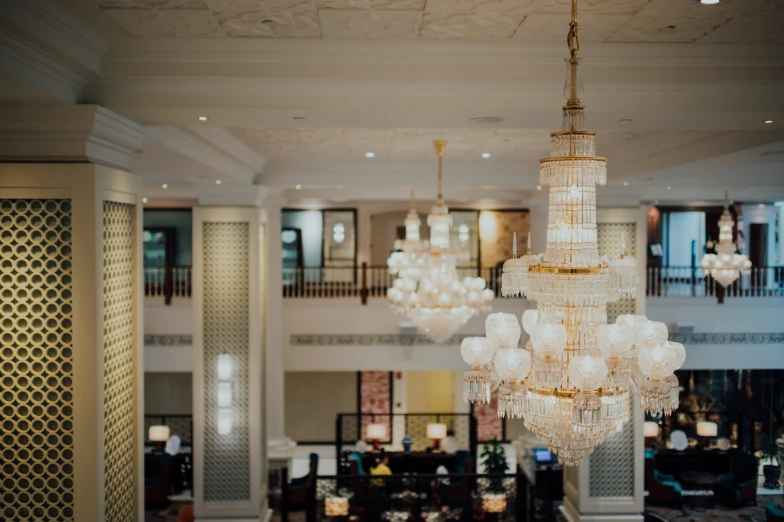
494	458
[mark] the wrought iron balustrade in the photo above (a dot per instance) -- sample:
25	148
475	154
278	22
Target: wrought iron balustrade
686	281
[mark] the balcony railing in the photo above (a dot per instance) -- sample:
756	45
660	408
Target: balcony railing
360	282
168	283
685	281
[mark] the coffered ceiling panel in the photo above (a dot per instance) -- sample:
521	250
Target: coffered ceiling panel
168	23
380	5
550	27
522	20
479	25
358	23
409	145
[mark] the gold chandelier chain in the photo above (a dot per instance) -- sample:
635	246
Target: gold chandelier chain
573	40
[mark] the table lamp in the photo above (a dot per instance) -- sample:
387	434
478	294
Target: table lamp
376	432
158	435
706	430
436	431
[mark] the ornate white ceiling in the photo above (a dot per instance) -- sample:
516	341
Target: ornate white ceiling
410	145
730	21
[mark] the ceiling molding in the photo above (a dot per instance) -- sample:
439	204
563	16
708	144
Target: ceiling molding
230	195
47	47
71	134
214	147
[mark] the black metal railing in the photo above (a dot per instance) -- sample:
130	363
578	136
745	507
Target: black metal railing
687	281
167	283
425	497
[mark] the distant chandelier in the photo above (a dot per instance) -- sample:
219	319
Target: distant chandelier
572	383
726	265
428	289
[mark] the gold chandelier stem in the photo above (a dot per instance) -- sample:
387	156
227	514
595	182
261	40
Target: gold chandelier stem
440	146
573	42
412	199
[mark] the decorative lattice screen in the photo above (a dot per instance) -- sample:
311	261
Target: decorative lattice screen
609	241
118	371
36	351
226	311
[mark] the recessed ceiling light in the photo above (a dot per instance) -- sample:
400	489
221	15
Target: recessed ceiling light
625	120
298	187
538	187
144	200
670	27
370	154
769	121
625	183
709	2
298	118
165	186
485	155
669	187
204	118
218	182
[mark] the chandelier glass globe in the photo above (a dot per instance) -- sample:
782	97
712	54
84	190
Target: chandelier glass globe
577	392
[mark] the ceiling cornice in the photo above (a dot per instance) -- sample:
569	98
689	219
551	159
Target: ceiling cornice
47	47
211	146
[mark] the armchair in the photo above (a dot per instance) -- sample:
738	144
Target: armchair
157	481
296	491
739	486
662	488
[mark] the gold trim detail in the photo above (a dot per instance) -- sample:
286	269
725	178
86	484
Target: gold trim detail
597	159
539	269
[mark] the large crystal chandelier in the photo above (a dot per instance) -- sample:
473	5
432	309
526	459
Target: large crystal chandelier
428	289
411	254
726	265
572	383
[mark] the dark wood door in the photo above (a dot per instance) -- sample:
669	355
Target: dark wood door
758	253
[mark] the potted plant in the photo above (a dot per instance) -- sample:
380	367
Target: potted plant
780	445
771	471
494	458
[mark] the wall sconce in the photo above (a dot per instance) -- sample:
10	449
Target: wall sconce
225	368
225	421
338	233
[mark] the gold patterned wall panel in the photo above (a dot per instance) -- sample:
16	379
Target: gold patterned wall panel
496	229
118	370
36	351
226	324
609	242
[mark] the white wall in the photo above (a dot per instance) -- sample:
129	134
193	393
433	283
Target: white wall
310	222
739	315
175	319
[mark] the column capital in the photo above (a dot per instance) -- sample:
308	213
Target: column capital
231	195
69	134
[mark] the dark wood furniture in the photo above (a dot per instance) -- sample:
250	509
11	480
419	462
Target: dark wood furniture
738	486
420	462
157	481
698	488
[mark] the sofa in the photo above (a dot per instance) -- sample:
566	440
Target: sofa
738	487
663	488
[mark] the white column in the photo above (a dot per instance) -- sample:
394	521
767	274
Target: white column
71	287
229	467
280	447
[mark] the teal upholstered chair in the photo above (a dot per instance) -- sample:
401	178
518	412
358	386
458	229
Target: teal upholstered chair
664	489
739	486
298	488
774	513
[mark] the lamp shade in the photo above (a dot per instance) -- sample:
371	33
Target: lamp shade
503	329
377	431
530	318
512	364
477	351
651	429
158	433
707	429
336	506
586	372
494	502
436	431
549	339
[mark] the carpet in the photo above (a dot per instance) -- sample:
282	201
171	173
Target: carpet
719	514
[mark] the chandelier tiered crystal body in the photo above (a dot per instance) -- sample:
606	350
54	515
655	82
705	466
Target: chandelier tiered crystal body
428	289
726	265
572	384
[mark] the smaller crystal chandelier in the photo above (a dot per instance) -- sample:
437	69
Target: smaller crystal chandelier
726	265
411	254
429	290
